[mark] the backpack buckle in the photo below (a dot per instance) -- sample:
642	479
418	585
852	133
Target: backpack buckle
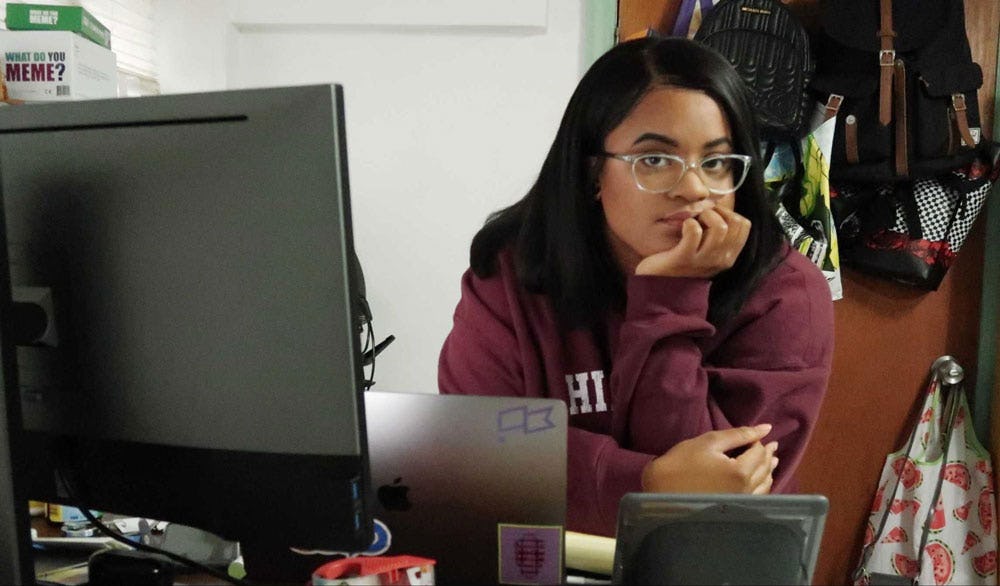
832	106
886	57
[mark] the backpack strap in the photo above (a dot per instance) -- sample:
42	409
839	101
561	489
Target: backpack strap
886	60
902	123
958	105
832	106
851	139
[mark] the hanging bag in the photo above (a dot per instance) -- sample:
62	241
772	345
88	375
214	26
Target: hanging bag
900	78
933	516
769	47
800	193
912	231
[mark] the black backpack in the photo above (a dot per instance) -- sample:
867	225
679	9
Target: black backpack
899	76
769	47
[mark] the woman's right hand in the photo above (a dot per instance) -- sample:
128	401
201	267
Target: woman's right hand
710	243
700	464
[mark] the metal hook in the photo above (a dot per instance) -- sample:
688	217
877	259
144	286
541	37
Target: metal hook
948	370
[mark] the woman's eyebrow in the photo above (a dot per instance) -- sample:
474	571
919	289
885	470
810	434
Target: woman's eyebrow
655	137
721	141
725	140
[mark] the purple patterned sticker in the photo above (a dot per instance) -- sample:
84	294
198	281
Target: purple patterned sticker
530	554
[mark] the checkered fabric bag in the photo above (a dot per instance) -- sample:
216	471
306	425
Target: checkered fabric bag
912	231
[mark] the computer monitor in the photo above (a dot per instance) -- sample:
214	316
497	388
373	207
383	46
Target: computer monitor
180	318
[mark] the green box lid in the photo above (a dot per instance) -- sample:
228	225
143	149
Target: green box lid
48	17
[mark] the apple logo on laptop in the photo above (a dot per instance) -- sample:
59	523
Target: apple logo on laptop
394	496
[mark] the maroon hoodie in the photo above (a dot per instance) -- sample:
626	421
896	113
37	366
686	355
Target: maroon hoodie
672	375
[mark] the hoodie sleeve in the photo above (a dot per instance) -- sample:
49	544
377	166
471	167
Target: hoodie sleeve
675	377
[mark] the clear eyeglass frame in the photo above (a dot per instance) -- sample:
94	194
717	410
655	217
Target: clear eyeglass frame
737	180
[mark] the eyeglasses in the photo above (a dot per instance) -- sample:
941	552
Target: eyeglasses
660	172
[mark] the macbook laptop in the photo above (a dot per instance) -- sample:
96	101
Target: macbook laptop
718	538
476	483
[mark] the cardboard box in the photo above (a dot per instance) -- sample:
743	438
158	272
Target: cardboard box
45	17
56	65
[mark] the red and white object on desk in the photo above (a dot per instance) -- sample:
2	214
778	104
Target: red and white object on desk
400	569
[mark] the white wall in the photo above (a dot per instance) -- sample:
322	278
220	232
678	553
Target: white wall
451	106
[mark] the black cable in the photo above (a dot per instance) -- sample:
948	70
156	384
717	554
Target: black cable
369	345
383	345
365	328
367	352
71	494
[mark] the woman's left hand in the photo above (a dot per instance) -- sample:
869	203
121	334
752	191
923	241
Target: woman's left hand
702	463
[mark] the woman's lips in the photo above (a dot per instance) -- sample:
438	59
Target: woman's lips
676	218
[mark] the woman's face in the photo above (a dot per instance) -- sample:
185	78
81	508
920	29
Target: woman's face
670	120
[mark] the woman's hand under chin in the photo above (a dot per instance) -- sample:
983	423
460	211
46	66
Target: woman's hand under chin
710	243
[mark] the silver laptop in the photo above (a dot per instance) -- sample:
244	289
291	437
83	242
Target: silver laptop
476	483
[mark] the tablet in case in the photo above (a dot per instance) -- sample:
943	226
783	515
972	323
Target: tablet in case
718	538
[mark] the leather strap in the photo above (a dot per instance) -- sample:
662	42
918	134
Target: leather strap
958	104
832	106
902	146
851	139
886	59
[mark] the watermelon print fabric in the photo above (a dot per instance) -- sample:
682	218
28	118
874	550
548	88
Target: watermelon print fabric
933	517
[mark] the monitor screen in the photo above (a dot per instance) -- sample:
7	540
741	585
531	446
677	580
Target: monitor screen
183	341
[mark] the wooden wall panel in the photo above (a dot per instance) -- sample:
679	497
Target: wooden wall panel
635	16
887	335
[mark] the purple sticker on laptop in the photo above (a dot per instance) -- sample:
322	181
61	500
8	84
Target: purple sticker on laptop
530	554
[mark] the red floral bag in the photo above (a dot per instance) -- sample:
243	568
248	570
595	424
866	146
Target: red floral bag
933	515
911	231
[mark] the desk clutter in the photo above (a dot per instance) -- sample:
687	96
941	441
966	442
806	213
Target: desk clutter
65	543
588	558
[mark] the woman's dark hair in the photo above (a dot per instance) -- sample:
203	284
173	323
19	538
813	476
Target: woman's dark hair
557	230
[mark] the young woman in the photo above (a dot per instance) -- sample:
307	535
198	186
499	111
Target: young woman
644	280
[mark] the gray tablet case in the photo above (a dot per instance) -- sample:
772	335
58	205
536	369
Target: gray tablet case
718	538
476	483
